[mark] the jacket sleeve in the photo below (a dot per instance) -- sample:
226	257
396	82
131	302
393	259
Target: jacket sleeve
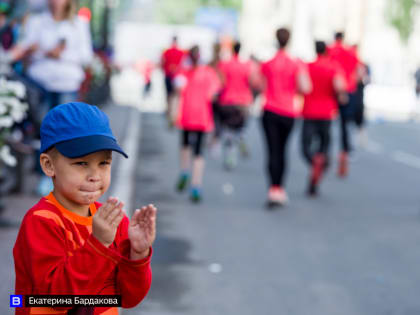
134	277
52	268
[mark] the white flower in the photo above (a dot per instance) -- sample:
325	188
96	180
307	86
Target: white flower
3	108
3	82
6	122
18	114
7	99
17	88
7	157
14	102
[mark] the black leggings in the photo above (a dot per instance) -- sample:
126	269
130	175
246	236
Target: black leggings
197	143
347	113
277	130
318	130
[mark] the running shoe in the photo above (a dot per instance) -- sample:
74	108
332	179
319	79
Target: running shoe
196	195
318	164
343	167
229	161
277	197
182	182
243	149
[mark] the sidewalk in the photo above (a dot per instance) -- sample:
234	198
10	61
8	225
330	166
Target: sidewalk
17	205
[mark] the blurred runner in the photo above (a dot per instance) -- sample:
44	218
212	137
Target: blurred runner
171	61
363	79
197	86
284	77
417	79
145	68
235	98
215	137
347	59
320	108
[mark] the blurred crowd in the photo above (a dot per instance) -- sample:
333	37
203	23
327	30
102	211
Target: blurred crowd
216	99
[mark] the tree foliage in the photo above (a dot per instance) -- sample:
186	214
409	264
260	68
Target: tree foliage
183	11
400	14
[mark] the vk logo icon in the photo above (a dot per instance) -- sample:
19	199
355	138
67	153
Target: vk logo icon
16	300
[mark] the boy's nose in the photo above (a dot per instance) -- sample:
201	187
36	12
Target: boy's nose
94	176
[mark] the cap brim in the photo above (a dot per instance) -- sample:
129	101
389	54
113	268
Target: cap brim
86	145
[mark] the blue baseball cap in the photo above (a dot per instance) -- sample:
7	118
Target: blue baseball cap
77	129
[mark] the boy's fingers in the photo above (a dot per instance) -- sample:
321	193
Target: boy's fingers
151	212
134	217
108	206
114	211
117	220
114	214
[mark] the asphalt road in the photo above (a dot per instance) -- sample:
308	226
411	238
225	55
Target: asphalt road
352	251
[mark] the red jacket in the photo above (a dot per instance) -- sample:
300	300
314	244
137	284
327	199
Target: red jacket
56	253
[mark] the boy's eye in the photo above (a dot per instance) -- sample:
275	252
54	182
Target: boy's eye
105	162
81	163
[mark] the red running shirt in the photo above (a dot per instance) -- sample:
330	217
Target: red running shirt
321	103
56	253
198	87
236	89
280	75
348	60
171	60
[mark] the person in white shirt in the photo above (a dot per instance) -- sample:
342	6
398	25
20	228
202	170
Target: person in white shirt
58	44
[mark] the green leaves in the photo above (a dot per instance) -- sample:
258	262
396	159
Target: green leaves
400	14
183	11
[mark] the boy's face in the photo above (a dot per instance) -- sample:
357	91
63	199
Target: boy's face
78	182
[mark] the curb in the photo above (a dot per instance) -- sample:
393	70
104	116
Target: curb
124	176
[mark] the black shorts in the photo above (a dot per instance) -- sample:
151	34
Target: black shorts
169	85
233	116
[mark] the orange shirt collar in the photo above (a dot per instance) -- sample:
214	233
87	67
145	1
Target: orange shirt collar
75	217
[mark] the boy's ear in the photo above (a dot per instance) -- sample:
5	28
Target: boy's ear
47	164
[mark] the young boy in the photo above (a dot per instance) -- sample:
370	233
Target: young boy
70	244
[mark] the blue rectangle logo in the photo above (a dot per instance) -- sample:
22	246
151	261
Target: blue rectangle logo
16	300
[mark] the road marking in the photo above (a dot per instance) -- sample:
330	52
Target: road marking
123	187
407	159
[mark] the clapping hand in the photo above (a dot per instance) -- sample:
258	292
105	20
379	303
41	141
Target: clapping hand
142	231
106	220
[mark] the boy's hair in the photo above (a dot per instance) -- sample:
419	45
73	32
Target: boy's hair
52	151
282	35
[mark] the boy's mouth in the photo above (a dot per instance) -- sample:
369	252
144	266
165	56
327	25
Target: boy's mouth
89	191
